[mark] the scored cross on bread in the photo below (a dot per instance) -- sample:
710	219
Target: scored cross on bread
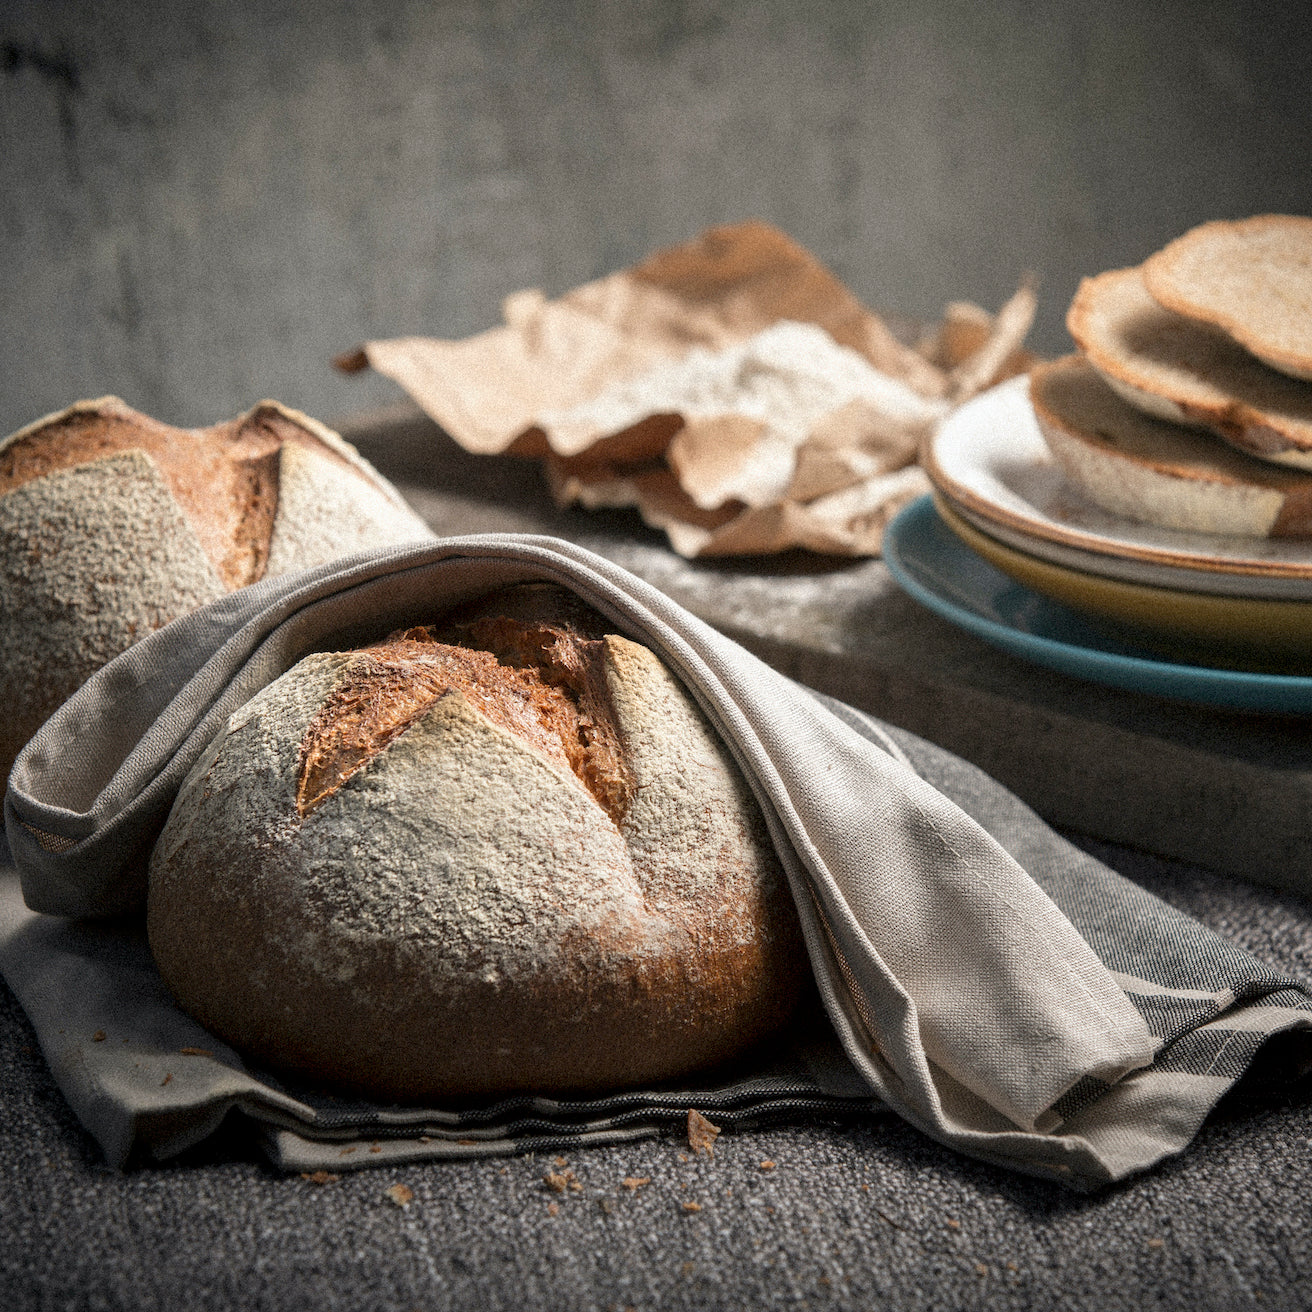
112	524
507	853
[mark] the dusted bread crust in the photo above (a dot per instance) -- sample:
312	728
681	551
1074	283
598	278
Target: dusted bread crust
112	524
539	873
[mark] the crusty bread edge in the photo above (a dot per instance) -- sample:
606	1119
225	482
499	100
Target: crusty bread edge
1156	280
1151	493
1244	427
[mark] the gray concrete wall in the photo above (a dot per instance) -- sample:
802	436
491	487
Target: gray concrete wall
201	203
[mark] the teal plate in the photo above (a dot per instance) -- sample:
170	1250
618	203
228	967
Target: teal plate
935	567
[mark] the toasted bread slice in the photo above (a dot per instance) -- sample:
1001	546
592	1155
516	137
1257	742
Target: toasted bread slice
1188	371
1252	277
1157	472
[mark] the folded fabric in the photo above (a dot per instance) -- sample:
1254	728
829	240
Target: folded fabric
962	995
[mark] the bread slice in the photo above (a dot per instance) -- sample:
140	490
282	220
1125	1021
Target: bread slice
1156	472
1188	371
1252	277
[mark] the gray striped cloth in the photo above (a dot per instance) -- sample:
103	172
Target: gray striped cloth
980	977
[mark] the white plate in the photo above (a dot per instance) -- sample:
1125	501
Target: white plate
991	462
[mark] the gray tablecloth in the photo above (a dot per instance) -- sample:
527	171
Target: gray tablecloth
855	1214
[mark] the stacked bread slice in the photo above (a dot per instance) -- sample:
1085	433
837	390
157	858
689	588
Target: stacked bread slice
1190	402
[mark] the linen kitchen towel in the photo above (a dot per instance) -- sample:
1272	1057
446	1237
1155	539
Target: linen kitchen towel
1007	995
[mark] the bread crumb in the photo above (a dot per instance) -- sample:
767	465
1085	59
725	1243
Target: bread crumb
559	1181
561	1161
635	1182
767	1165
375	1147
865	1188
1011	1266
1156	1243
168	1079
552	1209
690	1206
466	1143
953	1223
346	1152
195	1052
981	1269
98	1037
319	1177
425	1138
401	1194
701	1134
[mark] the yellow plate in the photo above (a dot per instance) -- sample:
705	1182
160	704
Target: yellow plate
1212	629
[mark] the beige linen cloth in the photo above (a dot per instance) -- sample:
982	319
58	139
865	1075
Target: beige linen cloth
961	995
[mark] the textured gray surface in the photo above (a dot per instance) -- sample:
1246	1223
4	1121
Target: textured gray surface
200	204
1227	1225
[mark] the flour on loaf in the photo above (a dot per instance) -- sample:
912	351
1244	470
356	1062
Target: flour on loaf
92	559
456	907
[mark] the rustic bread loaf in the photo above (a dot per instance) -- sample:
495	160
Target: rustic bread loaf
1189	372
112	524
1158	472
509	853
1251	277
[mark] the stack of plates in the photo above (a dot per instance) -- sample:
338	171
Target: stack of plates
1202	616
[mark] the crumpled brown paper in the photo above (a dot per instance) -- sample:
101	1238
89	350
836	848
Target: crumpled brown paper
731	388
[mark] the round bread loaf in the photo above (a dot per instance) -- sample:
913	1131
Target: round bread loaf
112	524
509	853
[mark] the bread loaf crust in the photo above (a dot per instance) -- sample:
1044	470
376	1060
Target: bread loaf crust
461	914
113	524
1250	277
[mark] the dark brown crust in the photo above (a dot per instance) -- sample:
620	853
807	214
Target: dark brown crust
602	1026
573	668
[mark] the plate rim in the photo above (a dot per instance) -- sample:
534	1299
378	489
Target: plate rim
1285	694
1149	591
1053	531
1215	583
